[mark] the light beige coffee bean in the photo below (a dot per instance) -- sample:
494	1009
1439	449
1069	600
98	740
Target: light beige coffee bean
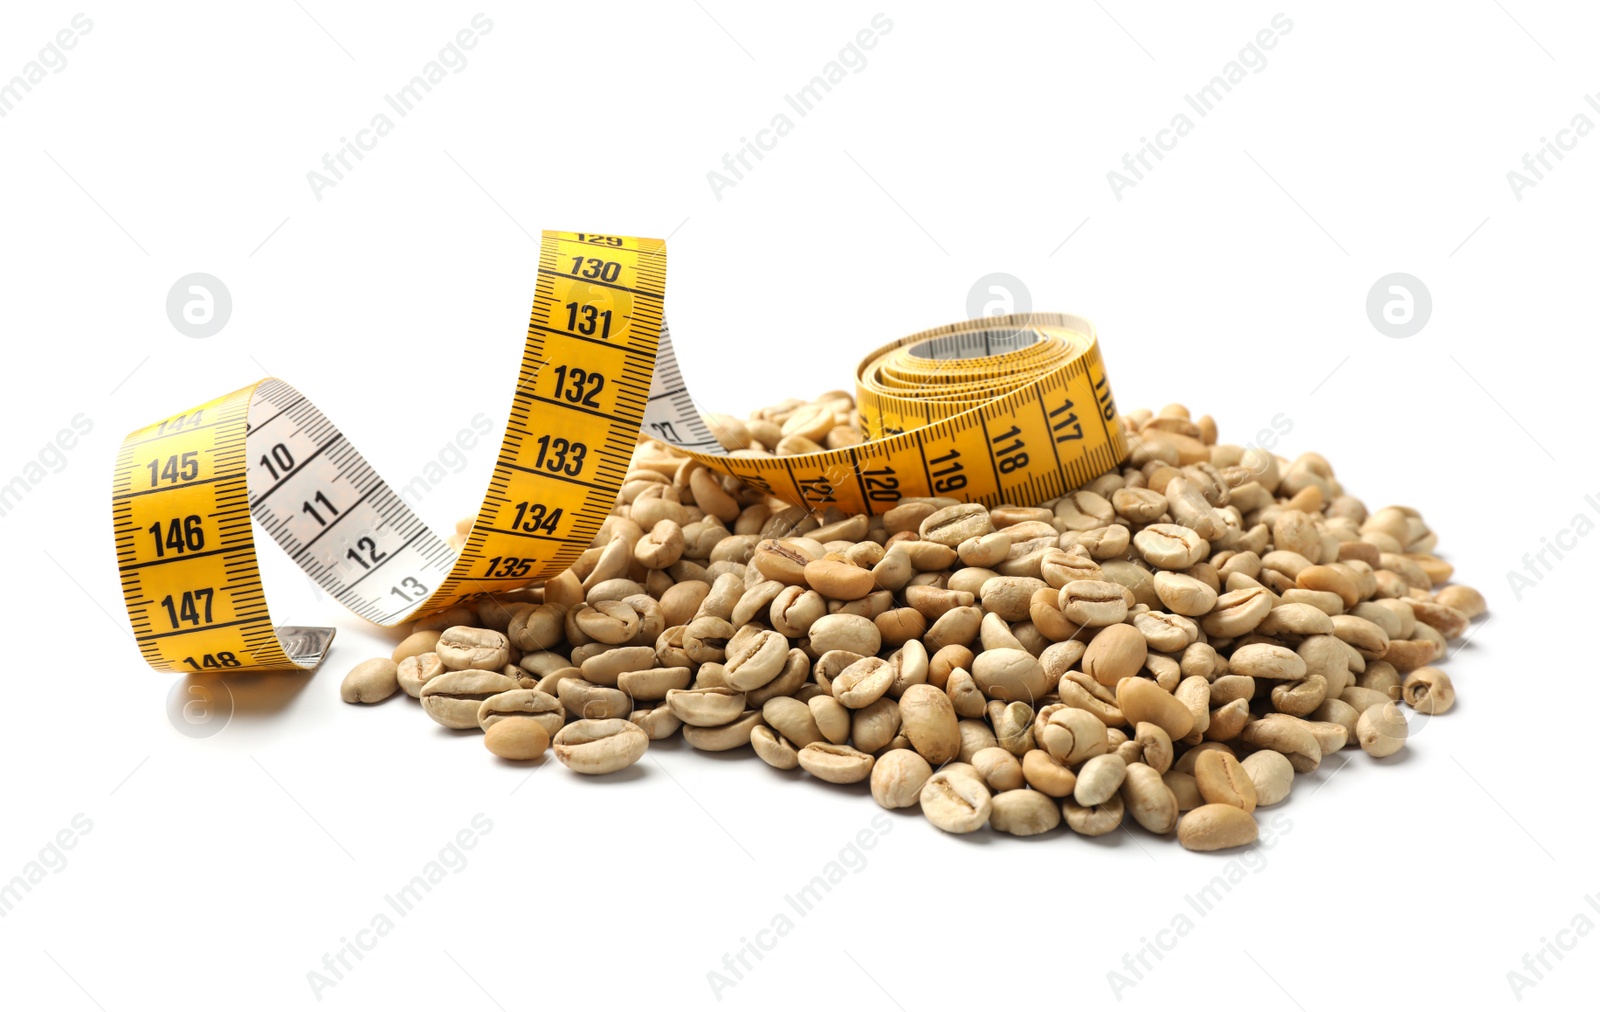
1183	594
709	706
586	700
863	682
832	717
657	721
531	703
1141	699
1070	734
453	698
1011	674
1297	620
517	738
1450	623
955	524
1217	827
1154	746
956	801
793	719
1097	821
1008	596
875	725
1183	789
417	670
854	633
1047	774
1100	778
774	750
1147	798
837	764
1367	637
1222	780
928	720
1362	698
1023	812
784	561
1116	652
1170	546
462	647
839	581
371	681
1238	612
1428	690
757	660
721	739
422	641
898	777
1000	770
1331	736
538	628
1288	735
597	747
1300	699
1267	660
1271	774
606	667
1230	687
1381	731
652	684
1094	602
1463	599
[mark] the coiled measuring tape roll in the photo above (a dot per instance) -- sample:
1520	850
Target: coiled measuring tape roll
1006	409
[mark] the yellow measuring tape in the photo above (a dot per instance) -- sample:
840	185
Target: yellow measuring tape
1006	409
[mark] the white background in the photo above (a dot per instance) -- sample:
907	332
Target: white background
220	870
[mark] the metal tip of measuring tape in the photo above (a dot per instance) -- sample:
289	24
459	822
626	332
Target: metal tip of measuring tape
306	645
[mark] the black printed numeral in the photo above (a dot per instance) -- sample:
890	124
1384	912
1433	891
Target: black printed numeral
881	484
1008	450
410	589
366	553
558	456
176	468
534	518
310	508
579	386
192	606
509	566
586	319
180	534
1064	423
946	472
278	461
595	268
221	659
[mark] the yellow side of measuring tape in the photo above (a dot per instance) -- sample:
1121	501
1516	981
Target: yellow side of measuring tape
1008	409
